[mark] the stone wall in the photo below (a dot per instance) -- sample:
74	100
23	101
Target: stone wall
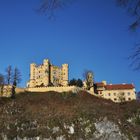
57	89
20	90
7	91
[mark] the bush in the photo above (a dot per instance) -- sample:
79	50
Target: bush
74	82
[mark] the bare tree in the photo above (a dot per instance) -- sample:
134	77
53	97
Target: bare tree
1	83
133	8
88	76
135	58
16	79
49	6
8	76
16	75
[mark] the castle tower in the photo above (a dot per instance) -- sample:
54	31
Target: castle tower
47	72
91	81
32	74
65	74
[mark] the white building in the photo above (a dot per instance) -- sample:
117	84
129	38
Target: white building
116	92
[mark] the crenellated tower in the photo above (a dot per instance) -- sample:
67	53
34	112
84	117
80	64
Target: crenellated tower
48	74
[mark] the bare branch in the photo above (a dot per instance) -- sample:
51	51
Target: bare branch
8	77
16	76
122	2
48	7
133	8
135	58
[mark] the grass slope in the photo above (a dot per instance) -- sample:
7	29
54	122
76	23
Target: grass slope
37	110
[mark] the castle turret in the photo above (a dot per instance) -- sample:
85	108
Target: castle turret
32	75
32	71
46	79
65	74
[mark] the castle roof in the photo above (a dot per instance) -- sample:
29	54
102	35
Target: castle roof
100	84
119	86
114	86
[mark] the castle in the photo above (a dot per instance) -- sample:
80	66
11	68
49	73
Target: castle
48	75
115	92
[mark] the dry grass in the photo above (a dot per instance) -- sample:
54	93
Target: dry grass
53	107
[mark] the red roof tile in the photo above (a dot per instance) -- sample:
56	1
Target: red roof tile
119	86
99	84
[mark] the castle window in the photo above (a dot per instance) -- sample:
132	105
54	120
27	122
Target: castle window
129	99
108	94
115	99
128	93
114	94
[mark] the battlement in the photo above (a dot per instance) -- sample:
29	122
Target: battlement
56	89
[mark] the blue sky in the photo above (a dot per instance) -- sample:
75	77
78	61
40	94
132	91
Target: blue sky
88	34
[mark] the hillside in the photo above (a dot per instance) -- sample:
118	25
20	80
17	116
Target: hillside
67	116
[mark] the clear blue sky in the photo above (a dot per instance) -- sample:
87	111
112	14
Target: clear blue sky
89	34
